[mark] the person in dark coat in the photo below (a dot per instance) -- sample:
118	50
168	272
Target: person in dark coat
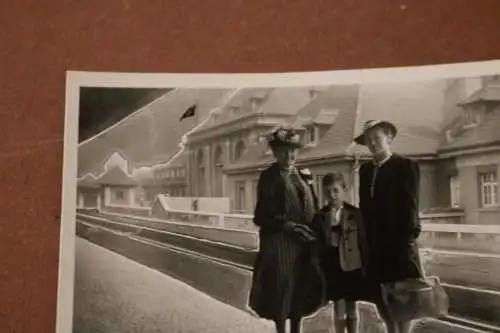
309	179
343	250
389	201
287	281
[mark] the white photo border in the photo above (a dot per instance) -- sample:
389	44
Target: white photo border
79	79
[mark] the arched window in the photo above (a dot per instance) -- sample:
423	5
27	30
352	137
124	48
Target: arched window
239	150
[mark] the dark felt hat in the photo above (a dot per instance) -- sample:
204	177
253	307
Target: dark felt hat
284	137
360	139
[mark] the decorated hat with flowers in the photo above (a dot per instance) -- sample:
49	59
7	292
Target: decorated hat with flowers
284	137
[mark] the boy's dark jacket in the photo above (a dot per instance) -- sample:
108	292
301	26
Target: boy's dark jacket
322	230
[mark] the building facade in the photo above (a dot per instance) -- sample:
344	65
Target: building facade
450	127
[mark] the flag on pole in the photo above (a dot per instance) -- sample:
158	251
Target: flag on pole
190	112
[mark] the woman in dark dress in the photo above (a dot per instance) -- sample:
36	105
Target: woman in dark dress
287	282
388	194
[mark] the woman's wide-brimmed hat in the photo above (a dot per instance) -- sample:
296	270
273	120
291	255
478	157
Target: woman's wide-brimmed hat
360	139
284	137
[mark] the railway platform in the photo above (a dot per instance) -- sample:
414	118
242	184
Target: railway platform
115	294
134	291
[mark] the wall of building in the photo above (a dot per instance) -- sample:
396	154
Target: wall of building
248	181
119	195
221	149
320	170
88	197
444	170
428	194
469	167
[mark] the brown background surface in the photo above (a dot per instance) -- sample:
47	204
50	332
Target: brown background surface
40	40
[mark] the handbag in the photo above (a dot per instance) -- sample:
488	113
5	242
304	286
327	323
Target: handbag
415	298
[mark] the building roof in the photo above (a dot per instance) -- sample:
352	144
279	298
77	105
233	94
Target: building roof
237	105
334	106
489	93
152	134
273	101
338	137
116	176
88	181
486	132
415	108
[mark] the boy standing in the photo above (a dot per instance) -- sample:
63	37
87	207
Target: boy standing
342	249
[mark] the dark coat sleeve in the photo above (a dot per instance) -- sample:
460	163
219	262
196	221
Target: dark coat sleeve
407	210
317	229
362	184
362	240
269	209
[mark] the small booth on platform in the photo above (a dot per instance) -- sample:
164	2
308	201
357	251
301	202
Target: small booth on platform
120	191
88	193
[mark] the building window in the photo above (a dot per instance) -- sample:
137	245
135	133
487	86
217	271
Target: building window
454	192
256	103
119	195
239	150
470	117
489	188
311	135
240	196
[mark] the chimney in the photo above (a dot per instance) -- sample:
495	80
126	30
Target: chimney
313	92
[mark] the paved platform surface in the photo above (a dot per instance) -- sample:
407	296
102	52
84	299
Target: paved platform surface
114	295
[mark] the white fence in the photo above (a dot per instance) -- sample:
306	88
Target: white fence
446	236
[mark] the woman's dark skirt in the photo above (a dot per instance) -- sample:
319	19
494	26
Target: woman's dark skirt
346	285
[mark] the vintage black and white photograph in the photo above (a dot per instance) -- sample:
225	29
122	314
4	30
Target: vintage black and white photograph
350	201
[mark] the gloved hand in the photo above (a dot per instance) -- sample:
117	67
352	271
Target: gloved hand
304	232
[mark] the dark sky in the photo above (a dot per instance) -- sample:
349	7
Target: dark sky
102	107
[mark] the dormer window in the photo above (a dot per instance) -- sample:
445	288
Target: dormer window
311	137
233	110
469	117
256	102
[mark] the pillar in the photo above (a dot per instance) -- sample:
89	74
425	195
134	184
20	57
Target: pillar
107	196
131	197
81	202
188	173
226	159
207	176
99	201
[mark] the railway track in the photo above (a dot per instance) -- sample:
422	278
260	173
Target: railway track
231	256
